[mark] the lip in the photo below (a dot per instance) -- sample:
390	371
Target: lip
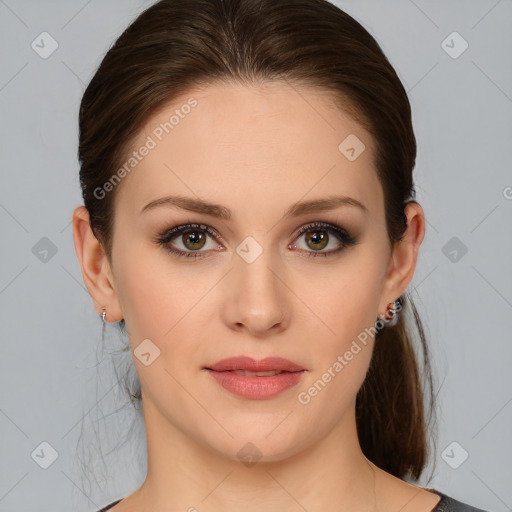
252	365
256	387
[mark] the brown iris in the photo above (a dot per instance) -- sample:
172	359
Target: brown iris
196	238
318	239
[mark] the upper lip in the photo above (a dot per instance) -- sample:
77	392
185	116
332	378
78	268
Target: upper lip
253	365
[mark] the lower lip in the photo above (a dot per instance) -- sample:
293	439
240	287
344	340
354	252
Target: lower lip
256	388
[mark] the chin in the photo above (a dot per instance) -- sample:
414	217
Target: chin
253	441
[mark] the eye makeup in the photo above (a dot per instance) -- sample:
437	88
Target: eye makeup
199	232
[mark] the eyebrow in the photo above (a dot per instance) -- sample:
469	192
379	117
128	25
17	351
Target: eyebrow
221	212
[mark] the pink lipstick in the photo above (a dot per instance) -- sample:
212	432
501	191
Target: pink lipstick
256	380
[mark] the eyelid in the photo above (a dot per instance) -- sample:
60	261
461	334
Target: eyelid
317	225
168	234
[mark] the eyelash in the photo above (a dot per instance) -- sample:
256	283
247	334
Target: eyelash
170	234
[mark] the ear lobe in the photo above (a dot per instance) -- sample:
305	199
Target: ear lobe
95	267
404	256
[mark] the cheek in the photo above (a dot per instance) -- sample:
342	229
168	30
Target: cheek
344	298
345	303
160	301
151	296
343	352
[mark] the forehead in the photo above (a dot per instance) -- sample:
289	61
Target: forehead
248	145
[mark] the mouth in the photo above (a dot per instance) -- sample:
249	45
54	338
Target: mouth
243	363
248	373
256	380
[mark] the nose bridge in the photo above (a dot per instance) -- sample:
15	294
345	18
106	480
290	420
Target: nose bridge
252	266
258	299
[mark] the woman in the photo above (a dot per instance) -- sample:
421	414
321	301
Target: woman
250	221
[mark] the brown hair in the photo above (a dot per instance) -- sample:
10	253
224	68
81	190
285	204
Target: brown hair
177	44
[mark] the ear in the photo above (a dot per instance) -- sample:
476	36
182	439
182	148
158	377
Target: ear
403	257
96	271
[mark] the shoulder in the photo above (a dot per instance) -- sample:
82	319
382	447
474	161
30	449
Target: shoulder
108	507
449	504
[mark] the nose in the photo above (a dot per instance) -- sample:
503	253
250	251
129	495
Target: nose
255	297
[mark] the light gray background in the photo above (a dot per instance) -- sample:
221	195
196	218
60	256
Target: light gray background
56	383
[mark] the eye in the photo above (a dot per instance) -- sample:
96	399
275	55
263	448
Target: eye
191	237
194	237
317	238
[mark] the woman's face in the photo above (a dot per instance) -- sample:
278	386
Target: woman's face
245	282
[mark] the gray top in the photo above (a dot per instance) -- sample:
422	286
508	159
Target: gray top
445	504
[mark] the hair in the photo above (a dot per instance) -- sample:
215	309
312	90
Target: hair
176	45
